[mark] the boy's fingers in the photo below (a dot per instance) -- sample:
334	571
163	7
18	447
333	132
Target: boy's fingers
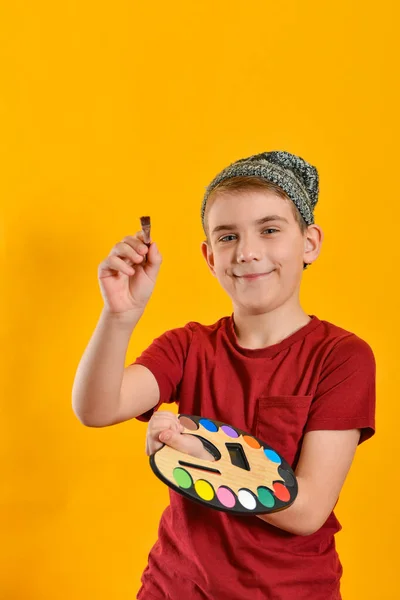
161	424
174	440
136	243
164	419
185	443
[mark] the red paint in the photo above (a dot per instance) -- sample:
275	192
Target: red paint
281	492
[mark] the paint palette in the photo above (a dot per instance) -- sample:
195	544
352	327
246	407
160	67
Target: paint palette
247	477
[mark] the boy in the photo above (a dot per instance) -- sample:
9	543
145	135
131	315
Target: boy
303	385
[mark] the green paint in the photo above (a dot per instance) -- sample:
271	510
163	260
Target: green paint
182	478
265	496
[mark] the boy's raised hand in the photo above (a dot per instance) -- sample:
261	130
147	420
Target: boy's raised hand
126	279
164	428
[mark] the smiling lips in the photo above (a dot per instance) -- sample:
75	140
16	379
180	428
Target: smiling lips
251	276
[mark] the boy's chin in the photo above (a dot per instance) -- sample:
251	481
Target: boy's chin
252	308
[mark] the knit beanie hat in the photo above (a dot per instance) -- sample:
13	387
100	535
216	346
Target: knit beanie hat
297	178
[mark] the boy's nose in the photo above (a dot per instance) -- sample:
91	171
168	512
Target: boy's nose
248	251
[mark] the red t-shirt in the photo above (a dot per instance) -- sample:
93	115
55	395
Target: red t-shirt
320	377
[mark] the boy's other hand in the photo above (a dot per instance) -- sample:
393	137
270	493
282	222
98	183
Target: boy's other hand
126	279
164	428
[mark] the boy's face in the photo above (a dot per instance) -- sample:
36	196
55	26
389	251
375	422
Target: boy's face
256	249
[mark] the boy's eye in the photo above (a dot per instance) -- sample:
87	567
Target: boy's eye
231	236
227	238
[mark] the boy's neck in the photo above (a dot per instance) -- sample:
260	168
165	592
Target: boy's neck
267	329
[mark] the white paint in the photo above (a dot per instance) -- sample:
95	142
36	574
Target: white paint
247	500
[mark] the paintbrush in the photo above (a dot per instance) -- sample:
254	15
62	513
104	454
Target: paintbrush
145	223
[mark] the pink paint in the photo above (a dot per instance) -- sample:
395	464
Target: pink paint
226	497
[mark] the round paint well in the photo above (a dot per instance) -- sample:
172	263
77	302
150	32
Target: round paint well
266	497
204	489
188	423
252	442
182	478
229	431
226	497
247	499
281	492
209	425
272	456
287	477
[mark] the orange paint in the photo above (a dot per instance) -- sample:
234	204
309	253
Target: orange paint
250	441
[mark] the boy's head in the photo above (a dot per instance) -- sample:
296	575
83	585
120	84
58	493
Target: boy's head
258	218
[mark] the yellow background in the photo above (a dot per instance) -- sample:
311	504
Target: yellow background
112	110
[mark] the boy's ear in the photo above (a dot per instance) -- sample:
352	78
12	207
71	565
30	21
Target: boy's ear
208	255
312	243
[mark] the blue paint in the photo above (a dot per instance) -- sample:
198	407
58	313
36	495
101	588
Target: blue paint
209	425
273	456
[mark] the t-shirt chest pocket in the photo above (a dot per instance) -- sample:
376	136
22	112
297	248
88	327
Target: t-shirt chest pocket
280	421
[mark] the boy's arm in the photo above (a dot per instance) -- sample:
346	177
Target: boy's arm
104	393
342	415
325	460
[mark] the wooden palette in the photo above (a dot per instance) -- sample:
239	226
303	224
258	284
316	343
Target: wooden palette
247	477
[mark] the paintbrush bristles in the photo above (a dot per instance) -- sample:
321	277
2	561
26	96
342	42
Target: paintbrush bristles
145	221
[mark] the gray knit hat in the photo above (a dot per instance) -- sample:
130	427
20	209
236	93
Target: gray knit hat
298	178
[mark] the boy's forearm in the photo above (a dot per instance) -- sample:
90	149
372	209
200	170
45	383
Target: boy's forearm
97	384
301	518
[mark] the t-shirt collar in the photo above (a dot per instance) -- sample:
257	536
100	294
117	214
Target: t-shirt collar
274	349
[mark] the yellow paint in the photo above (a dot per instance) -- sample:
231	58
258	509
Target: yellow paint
204	489
113	110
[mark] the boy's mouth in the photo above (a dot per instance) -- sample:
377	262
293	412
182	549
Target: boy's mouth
251	276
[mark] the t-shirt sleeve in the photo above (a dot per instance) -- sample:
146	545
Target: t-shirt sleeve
345	394
165	358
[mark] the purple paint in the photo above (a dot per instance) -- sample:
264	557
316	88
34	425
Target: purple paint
229	431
